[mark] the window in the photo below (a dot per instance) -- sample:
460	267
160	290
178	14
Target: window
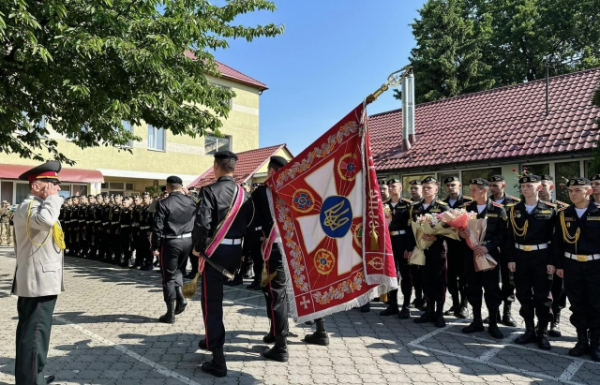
565	171
117	185
538	169
485	173
587	171
156	138
79	190
128	186
127	126
65	190
213	144
22	190
6	192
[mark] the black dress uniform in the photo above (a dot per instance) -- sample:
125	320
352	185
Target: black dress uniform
399	229
137	235
528	242
99	236
74	229
145	236
90	224
125	222
415	271
477	282
507	292
577	253
215	202
433	273
253	240
106	251
172	234
456	263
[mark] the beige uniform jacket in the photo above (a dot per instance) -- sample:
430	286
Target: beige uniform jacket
39	270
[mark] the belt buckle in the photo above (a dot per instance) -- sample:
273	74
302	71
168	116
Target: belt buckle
582	258
527	248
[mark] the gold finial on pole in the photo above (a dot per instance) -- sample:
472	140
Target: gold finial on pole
393	80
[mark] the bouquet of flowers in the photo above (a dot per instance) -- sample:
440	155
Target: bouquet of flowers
387	212
457	218
431	225
476	238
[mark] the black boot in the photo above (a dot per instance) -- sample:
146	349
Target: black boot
169	316
279	352
181	301
582	346
493	328
507	318
417	303
429	315
269	338
529	335
555	325
217	367
595	345
440	322
542	335
320	336
476	325
455	305
404	313
392	308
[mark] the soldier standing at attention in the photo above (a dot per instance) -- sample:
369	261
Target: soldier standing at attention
456	259
220	202
39	272
530	231
497	188
125	221
5	231
559	297
488	280
595	181
416	195
577	256
115	227
433	274
172	235
146	233
399	230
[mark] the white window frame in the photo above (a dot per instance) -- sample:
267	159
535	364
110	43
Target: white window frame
128	127
212	152
156	130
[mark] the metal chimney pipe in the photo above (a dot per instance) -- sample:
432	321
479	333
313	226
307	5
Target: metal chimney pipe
410	107
406	143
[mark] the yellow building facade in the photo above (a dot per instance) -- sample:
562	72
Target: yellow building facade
158	154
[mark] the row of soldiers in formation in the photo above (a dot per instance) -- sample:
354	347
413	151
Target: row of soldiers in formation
109	228
546	250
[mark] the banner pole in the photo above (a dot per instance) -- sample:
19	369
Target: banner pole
394	80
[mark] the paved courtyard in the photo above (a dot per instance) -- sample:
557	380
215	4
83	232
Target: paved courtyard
106	332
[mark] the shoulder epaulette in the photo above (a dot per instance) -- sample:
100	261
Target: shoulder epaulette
510	204
407	200
467	197
550	203
442	203
562	209
498	204
515	198
415	203
562	203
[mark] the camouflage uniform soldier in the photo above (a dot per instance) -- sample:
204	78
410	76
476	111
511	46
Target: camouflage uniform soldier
5	227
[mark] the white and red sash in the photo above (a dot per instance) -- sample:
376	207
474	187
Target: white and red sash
223	227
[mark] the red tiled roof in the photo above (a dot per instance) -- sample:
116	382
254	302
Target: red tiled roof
249	162
228	72
507	122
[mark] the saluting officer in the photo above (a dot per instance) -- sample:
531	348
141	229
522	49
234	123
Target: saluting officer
497	189
416	195
577	257
399	229
456	263
530	230
172	235
433	274
495	238
559	297
215	205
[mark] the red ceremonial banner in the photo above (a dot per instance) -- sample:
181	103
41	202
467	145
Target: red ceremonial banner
329	213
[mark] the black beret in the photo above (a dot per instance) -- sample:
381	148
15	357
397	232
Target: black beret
163	189
530	179
174	179
382	181
480	182
497	178
278	161
429	179
578	182
451	179
415	182
47	172
225	155
145	193
394	180
595	177
547	177
127	199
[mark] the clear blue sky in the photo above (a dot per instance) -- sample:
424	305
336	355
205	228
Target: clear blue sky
332	55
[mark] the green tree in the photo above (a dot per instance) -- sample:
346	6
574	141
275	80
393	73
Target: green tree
86	66
595	166
504	41
447	59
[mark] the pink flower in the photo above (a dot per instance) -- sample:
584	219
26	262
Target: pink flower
514	169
